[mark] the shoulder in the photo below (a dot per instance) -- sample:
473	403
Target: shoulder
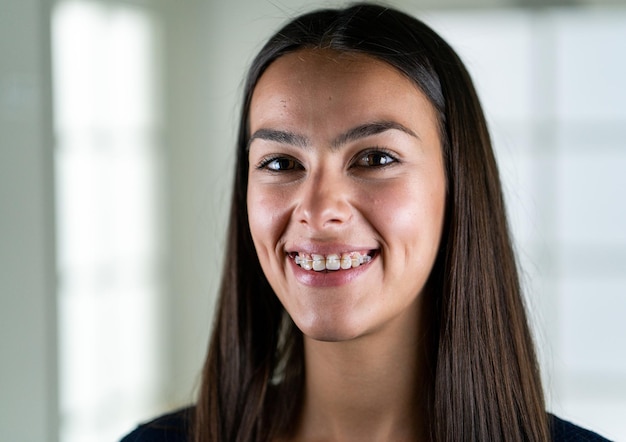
171	427
564	431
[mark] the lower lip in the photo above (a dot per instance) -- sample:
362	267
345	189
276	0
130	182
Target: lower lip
332	278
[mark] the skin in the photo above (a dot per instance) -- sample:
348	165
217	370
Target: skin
318	185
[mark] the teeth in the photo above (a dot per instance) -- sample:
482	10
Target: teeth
331	262
356	260
346	261
305	263
319	263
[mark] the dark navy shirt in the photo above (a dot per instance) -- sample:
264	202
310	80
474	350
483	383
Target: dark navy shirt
175	427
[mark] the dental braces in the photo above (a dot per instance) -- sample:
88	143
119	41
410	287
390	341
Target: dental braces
333	262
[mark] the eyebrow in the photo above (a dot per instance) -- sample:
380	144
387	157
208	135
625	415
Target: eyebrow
354	134
368	130
280	136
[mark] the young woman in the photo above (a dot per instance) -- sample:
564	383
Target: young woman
370	289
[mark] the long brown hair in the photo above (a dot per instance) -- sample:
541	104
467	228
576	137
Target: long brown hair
485	382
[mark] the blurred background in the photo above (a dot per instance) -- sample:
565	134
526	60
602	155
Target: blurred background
117	127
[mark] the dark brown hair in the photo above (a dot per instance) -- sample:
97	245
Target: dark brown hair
484	378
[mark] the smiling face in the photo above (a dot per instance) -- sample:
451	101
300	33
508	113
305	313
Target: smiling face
346	192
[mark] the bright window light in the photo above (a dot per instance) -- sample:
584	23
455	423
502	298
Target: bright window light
109	249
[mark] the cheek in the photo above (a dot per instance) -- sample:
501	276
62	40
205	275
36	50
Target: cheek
266	215
413	214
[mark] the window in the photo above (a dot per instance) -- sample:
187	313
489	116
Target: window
108	169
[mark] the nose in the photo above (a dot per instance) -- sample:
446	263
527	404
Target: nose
324	202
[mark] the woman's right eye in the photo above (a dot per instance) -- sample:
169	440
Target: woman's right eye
280	164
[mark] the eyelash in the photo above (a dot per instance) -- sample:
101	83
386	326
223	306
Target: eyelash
379	151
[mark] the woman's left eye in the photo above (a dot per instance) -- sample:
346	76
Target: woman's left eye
375	159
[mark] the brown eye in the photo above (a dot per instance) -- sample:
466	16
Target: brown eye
280	164
375	159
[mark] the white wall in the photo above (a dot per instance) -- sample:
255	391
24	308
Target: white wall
28	375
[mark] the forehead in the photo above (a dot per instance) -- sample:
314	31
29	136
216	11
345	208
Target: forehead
318	83
316	67
329	62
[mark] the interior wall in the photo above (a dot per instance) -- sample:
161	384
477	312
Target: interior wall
28	374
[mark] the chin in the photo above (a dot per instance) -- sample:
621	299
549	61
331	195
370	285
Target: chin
327	330
329	336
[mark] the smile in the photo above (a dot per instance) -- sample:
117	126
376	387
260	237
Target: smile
333	261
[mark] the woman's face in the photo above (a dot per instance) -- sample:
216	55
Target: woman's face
346	192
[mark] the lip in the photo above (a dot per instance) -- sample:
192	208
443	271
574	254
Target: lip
328	278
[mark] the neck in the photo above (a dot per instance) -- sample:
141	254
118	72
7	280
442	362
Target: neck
366	389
